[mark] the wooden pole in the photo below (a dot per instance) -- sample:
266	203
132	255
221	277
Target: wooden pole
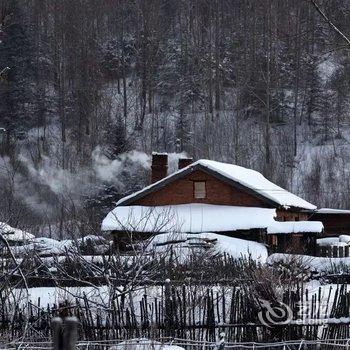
70	335
57	333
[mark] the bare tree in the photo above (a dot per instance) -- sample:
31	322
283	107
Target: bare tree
5	18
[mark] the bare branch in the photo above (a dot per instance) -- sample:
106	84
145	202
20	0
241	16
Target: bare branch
329	22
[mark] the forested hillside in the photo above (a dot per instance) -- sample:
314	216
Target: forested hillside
94	86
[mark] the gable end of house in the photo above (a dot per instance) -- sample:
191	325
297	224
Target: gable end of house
139	197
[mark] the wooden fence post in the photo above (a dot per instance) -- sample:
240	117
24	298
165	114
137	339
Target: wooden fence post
221	344
335	252
320	251
64	334
57	333
340	252
168	307
70	334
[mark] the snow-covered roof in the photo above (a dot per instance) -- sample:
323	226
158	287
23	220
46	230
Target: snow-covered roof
329	242
187	218
341	241
295	227
159	153
247	178
14	234
332	211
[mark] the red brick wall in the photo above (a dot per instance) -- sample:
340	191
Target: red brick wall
218	192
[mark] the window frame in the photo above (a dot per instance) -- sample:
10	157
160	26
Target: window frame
196	190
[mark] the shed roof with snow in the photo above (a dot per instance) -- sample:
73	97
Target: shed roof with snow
280	227
336	221
193	218
198	218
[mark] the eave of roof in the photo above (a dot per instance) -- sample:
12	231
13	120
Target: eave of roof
330	211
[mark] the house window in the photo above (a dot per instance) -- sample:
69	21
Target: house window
199	190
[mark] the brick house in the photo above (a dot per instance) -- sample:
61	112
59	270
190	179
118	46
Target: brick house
209	196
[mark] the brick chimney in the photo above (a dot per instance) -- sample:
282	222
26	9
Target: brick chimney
184	162
159	166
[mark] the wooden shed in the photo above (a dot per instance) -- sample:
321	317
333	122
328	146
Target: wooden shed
335	221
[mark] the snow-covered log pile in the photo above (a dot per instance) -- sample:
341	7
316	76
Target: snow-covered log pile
23	243
185	244
14	235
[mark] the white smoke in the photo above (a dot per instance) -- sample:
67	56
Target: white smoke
58	180
173	160
40	183
109	170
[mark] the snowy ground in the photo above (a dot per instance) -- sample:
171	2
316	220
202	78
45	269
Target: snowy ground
144	344
51	296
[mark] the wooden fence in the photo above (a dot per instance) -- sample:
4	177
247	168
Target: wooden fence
187	312
334	252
